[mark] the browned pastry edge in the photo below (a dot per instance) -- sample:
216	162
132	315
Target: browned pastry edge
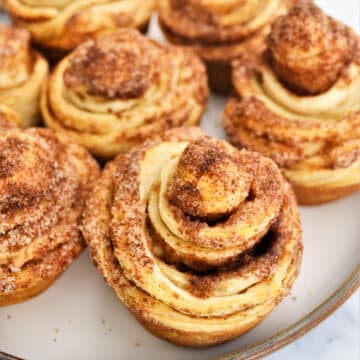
11	299
317	195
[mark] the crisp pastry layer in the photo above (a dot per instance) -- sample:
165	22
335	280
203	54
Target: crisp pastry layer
198	239
63	24
115	92
22	73
300	104
43	184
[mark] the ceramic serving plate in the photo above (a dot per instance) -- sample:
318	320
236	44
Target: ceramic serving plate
79	317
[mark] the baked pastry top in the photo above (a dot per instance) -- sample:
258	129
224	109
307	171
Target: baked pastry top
300	103
22	73
63	24
121	89
44	180
198	239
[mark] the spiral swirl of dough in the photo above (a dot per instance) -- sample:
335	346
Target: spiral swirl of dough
115	92
44	180
63	24
22	73
198	239
315	138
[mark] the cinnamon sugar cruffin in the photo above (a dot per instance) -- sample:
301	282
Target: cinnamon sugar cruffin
300	104
180	276
44	180
61	25
219	31
115	92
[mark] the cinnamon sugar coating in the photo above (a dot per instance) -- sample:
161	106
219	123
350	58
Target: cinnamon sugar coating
121	89
119	66
308	49
44	180
176	278
208	182
300	104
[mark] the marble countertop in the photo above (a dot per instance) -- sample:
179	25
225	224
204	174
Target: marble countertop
336	338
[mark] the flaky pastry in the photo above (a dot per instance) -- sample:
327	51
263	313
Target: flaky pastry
8	117
300	104
220	30
44	180
115	92
22	73
60	25
198	239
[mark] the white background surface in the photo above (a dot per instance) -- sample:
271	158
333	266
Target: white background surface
79	317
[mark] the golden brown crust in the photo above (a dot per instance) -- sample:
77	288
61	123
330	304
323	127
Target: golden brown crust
23	72
44	180
218	31
61	25
314	138
190	283
113	93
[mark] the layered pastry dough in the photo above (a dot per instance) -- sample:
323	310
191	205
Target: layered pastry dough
121	89
60	25
301	104
8	117
43	184
22	73
198	239
220	30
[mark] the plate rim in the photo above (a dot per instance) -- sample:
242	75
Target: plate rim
293	332
301	327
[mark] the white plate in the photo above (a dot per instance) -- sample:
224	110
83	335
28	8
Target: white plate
79	317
